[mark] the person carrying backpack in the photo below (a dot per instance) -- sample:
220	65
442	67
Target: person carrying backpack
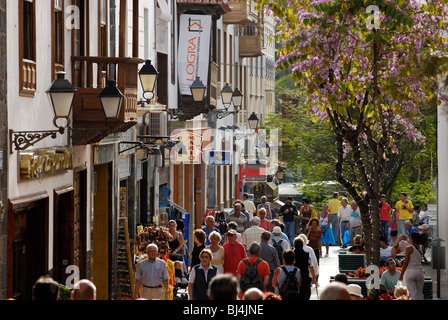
278	243
253	272
287	278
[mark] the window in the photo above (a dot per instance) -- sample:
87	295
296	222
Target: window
27	48
58	36
103	28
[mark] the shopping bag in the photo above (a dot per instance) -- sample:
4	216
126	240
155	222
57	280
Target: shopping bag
345	238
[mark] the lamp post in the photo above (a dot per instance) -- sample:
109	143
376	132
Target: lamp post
253	121
61	96
280	173
197	90
237	98
226	96
111	100
148	76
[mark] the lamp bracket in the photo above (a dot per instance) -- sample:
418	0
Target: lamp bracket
221	114
22	140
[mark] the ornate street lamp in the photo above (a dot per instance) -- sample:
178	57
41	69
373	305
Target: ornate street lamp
148	76
237	98
61	94
253	121
198	90
111	100
226	96
280	173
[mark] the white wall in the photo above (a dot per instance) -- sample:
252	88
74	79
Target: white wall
442	175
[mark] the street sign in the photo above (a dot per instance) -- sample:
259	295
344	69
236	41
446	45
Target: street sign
219	158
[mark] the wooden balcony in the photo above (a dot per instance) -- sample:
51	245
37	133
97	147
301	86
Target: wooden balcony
215	8
251	39
192	109
239	13
89	75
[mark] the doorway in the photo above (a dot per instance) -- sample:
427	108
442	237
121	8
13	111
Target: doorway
101	273
28	247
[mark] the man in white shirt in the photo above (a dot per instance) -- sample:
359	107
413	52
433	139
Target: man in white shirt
423	217
249	205
343	219
355	223
252	234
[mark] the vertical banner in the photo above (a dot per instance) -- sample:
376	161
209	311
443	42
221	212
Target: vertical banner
186	220
194	50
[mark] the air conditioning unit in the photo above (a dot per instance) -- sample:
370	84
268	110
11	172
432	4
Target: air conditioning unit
158	124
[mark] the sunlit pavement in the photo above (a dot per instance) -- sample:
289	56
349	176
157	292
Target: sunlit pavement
328	266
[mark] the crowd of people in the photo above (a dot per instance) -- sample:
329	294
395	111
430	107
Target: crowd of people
259	256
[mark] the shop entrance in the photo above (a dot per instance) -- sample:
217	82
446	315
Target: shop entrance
101	231
28	242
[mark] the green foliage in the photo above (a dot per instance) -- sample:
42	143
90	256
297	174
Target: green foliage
64	293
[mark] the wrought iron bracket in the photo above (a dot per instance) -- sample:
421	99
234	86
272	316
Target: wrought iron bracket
22	140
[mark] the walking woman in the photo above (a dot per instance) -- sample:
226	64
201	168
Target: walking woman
200	277
325	226
412	270
217	251
177	242
314	235
306	212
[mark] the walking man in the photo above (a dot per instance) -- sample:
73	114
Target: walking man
152	276
334	205
288	211
343	218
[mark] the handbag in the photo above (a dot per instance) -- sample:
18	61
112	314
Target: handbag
346	237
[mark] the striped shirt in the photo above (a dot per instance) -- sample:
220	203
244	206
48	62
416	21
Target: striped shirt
251	235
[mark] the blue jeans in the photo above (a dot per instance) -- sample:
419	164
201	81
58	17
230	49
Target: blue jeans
290	227
384	229
335	229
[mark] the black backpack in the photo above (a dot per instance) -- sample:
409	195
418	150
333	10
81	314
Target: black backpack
289	289
251	278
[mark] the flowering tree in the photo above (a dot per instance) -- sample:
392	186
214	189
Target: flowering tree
360	62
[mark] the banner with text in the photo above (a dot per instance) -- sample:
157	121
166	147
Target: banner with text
194	50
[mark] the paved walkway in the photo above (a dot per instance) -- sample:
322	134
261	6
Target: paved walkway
328	266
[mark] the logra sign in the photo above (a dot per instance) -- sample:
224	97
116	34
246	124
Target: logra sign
194	50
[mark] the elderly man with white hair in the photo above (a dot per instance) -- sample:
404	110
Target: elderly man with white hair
252	234
152	276
239	217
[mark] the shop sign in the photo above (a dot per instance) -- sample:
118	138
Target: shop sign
219	158
194	50
255	172
43	162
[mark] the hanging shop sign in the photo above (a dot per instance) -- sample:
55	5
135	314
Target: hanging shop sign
255	172
44	162
219	158
194	50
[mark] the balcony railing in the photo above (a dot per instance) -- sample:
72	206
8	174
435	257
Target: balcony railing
89	75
